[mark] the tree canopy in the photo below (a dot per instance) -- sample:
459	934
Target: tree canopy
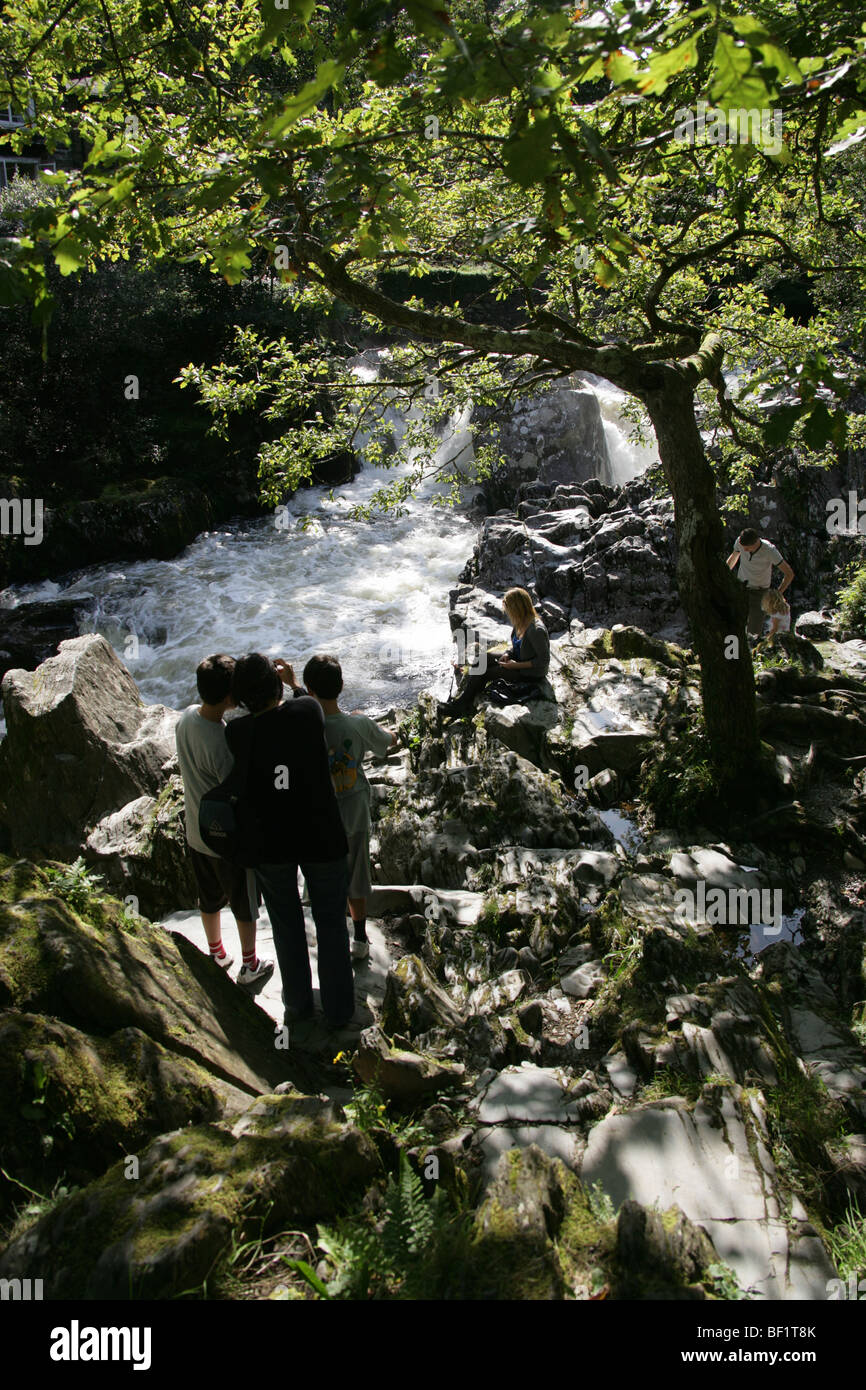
632	179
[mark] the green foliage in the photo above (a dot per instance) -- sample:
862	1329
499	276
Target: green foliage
723	1283
851	599
670	1081
623	954
679	783
409	1252
75	884
600	1205
847	1242
368	1111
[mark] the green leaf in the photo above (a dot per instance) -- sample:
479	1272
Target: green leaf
69	255
529	157
818	429
328	74
310	1275
735	80
779	425
664	66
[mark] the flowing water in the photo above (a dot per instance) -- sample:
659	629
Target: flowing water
372	592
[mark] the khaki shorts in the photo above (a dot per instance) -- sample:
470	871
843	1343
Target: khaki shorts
360	884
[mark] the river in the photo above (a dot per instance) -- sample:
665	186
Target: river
372	592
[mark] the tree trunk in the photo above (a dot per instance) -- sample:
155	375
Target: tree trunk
712	598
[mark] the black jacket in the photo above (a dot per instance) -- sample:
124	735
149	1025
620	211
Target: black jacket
301	821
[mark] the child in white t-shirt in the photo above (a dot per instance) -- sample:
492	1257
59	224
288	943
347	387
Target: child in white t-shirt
349	737
778	611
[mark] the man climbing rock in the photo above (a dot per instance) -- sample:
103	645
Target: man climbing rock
756	559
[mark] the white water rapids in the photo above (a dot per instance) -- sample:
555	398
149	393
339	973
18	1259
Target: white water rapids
373	593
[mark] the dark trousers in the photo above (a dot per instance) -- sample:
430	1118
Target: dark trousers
756	612
476	682
328	886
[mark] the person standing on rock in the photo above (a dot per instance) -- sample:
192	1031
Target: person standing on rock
523	667
349	737
282	744
756	558
205	760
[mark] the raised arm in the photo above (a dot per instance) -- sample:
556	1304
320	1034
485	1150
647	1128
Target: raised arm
788	574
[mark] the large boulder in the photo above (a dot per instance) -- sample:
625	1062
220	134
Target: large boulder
71	1102
102	969
31	632
141	852
158	1231
602	564
80	745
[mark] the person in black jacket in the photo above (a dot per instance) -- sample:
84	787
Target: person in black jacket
524	666
289	785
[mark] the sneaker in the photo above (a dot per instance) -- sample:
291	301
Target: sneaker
223	961
263	971
360	950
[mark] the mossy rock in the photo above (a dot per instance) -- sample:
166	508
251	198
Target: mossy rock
159	1231
102	970
663	1255
513	1251
70	1103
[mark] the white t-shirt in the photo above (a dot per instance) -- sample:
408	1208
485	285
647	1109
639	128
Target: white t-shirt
756	567
205	761
783	621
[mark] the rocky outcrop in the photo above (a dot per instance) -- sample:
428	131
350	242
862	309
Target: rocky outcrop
80	739
147	519
31	632
587	551
158	1233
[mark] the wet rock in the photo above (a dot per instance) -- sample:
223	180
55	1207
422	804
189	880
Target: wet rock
31	632
79	734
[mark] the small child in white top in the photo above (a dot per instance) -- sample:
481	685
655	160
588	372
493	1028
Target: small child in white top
777	610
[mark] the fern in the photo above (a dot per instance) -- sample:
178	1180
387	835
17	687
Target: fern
411	1252
410	1220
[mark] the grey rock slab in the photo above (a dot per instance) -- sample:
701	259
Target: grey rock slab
663	1154
584	981
716	870
551	1139
623	1077
406	898
525	1094
649	898
596	866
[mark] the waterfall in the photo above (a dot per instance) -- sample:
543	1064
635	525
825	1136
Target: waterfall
372	592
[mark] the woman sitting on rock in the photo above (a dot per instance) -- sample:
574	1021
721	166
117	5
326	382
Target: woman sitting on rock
518	674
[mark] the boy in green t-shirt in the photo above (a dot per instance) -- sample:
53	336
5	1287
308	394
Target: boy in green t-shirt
349	737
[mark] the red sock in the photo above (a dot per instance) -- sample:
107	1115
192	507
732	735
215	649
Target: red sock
250	959
217	949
